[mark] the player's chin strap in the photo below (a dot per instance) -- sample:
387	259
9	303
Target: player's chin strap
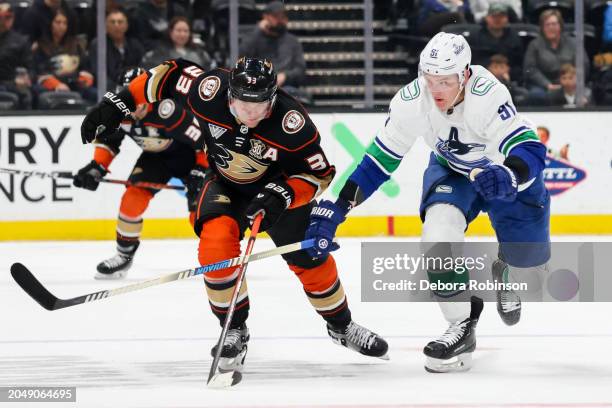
450	110
463	81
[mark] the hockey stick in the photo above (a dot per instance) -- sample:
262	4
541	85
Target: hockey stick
46	299
216	378
68	175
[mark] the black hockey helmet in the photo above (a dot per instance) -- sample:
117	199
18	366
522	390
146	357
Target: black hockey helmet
128	75
253	80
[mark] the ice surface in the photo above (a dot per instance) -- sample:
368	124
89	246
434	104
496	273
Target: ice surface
151	348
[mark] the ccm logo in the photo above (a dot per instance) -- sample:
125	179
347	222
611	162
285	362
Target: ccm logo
118	103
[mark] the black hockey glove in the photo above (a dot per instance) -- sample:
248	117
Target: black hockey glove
194	183
272	201
89	175
104	118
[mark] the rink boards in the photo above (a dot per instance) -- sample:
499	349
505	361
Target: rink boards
35	208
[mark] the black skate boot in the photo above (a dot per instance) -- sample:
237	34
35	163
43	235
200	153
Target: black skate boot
508	302
234	349
452	352
360	339
117	266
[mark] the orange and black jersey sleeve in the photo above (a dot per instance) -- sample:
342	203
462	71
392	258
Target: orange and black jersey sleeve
177	79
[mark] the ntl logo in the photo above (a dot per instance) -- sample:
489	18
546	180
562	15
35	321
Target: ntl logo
560	175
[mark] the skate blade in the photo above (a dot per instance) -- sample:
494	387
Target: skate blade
458	364
385	357
110	276
224	379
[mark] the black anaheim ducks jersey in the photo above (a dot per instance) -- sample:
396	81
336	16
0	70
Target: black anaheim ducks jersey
163	126
285	144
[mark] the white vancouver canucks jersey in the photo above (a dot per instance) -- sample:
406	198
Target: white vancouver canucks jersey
481	130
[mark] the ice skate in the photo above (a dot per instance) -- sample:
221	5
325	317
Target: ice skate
452	352
508	302
359	339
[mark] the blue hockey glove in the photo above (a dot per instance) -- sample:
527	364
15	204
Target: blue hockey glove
495	182
324	220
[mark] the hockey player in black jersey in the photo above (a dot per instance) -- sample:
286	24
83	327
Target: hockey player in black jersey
170	138
265	157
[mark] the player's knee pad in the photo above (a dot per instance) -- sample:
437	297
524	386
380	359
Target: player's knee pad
317	278
443	223
301	259
219	240
135	201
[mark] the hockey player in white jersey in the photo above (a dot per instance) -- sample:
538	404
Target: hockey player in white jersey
485	157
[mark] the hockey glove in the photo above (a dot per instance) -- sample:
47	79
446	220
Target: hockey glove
495	182
89	175
104	118
194	183
324	220
272	201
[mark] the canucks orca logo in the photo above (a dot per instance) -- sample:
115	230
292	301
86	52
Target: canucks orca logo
452	148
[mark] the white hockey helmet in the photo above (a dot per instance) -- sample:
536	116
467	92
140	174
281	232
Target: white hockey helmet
446	54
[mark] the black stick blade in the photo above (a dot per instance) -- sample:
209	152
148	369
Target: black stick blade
32	286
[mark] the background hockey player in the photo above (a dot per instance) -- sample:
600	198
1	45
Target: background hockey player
170	138
265	157
485	157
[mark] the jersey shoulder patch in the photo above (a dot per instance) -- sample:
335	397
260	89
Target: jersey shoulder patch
289	127
212	83
209	87
166	108
411	91
482	85
293	122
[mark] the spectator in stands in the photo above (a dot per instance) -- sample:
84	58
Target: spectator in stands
480	9
178	44
500	67
566	95
271	40
121	51
218	43
544	135
434	14
59	61
16	60
150	20
38	17
496	37
546	54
